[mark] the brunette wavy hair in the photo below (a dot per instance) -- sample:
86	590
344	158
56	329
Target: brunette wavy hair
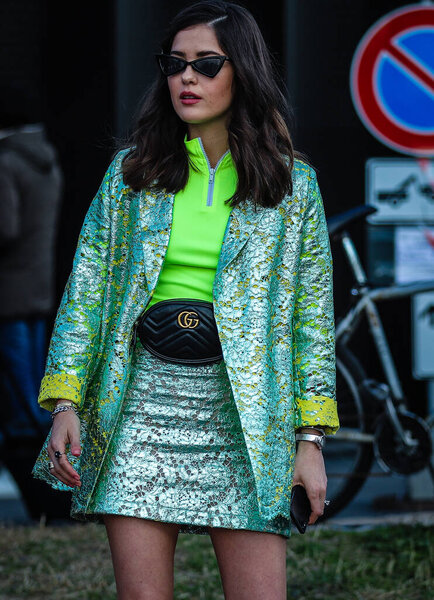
258	135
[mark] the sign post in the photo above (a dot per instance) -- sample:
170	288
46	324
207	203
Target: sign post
392	87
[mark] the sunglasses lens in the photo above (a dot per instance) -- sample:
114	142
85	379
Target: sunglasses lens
209	66
171	65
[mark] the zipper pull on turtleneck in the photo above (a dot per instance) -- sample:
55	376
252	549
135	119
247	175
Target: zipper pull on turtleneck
200	155
210	186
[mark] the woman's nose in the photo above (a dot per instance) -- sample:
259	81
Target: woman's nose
188	74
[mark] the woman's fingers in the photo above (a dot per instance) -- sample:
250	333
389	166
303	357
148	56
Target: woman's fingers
67	471
75	442
59	470
310	472
316	497
62	468
66	430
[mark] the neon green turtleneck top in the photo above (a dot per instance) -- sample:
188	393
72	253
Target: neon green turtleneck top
199	221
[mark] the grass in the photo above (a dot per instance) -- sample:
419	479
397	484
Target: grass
73	562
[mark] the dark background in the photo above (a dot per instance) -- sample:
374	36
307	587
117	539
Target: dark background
89	64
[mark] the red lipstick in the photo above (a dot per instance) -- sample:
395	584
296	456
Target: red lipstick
189	98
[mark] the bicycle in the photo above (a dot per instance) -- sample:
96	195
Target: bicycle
374	416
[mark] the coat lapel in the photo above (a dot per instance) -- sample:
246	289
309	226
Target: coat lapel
154	222
242	222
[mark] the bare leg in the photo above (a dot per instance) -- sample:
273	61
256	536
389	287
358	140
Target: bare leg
142	554
252	564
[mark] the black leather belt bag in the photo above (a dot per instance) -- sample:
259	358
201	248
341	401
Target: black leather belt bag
181	331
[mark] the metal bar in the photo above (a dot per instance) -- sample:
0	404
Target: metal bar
383	350
378	295
400	291
352	435
353	259
358	474
346	324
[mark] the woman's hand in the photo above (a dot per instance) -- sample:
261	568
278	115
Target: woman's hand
309	471
66	430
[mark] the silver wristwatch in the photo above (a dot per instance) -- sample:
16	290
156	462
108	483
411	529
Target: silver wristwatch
318	439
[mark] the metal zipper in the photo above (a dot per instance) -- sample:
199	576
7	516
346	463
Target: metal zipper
211	181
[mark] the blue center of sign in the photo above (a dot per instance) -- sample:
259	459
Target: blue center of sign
404	97
420	45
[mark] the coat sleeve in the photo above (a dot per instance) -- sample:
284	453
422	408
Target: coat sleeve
77	327
314	362
10	222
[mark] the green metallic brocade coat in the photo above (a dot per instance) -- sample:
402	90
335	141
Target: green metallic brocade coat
273	304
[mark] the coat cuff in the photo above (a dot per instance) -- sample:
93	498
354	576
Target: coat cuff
59	386
320	411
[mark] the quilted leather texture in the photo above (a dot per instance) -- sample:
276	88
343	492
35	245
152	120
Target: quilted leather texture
181	331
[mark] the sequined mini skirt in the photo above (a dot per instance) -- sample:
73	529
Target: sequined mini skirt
179	455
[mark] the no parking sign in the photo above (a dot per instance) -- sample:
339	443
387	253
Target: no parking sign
392	80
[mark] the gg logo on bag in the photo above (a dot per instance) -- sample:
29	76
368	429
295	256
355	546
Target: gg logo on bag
186	319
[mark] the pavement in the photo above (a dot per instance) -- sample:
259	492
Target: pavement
389	499
384	499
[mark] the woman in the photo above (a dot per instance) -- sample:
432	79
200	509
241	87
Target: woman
207	203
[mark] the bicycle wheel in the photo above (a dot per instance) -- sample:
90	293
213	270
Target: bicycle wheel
348	455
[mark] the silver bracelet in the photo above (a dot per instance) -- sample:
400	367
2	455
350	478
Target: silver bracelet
62	408
318	440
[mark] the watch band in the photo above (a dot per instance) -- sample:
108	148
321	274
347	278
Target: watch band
320	430
315	427
311	437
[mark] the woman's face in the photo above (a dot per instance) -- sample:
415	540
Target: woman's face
215	94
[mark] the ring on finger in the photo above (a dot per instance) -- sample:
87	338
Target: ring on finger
326	502
58	454
51	465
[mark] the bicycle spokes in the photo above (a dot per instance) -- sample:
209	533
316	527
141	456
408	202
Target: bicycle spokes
404	454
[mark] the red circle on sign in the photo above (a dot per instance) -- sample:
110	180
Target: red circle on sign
377	41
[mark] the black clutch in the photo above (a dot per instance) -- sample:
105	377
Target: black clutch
300	508
181	331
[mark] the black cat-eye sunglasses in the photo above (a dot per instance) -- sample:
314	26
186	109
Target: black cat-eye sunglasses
209	65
